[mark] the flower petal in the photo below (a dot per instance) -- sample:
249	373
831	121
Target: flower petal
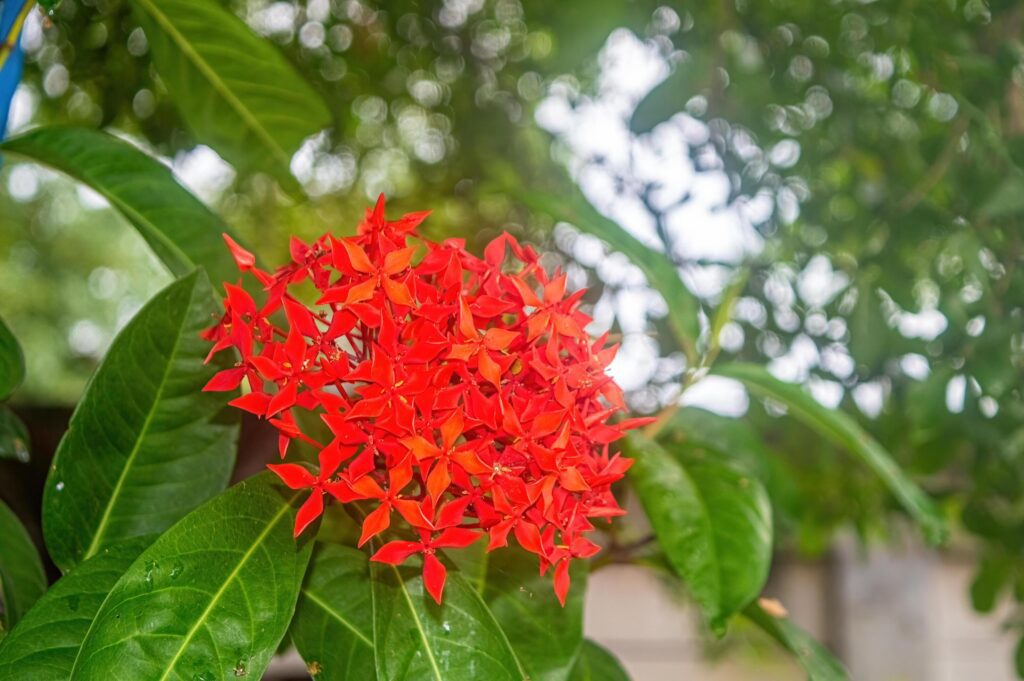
309	511
434	575
293	475
396	552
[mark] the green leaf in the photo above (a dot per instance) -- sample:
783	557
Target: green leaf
712	520
333	624
12	362
545	636
234	89
991	578
733	438
45	643
417	639
666	100
1006	200
145	445
22	580
180	229
210	599
868	330
844	431
661	272
14	442
816	660
595	663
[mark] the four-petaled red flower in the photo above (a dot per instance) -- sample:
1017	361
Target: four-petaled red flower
463	393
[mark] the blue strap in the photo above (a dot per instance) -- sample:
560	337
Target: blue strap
11	56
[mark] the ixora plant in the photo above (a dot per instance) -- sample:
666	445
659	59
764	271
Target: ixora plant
450	403
452	441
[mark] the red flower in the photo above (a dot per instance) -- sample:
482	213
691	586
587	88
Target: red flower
461	392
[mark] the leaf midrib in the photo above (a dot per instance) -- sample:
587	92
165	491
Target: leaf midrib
101	528
419	625
215	80
224	587
336	615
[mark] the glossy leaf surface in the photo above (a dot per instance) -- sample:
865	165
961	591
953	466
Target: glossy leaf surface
211	598
417	639
235	90
333	625
545	636
712	520
145	445
22	580
14	442
45	643
12	362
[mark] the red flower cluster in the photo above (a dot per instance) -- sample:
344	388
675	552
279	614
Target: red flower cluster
466	397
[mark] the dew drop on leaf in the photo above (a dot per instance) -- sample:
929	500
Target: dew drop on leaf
60	486
176	570
150	567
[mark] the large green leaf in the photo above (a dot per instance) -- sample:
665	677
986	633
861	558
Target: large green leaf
13	436
844	431
12	362
597	664
181	230
145	445
545	636
234	89
661	273
210	599
22	580
418	640
45	643
696	427
819	664
333	625
712	520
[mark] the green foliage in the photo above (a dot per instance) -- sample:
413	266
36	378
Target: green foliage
906	177
22	581
597	664
545	636
168	446
712	520
844	431
14	443
211	596
44	645
183	232
416	638
12	362
816	660
235	91
333	625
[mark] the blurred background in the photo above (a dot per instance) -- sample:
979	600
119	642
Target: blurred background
848	173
